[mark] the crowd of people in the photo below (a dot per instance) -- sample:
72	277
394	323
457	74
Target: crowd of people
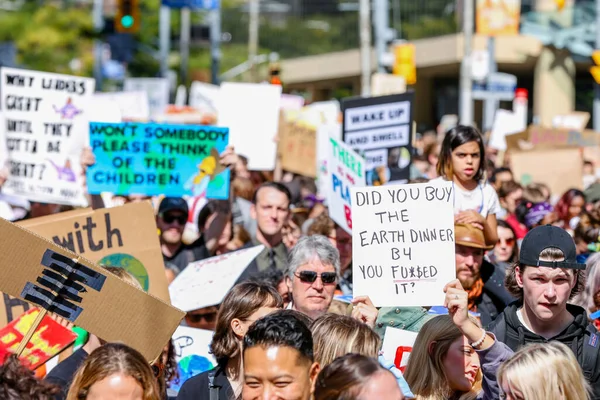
519	320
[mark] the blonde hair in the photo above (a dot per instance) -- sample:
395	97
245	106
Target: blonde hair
585	299
425	373
547	371
111	359
337	335
122	274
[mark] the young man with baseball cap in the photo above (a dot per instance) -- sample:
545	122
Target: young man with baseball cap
544	279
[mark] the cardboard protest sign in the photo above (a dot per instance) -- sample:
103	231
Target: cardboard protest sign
251	112
49	339
157	90
205	283
560	169
46	120
386	84
346	170
133	106
154	159
403	243
72	287
505	123
298	149
204	97
380	129
540	136
397	346
576	120
192	353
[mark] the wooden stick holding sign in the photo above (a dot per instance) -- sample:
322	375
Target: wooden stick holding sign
31	331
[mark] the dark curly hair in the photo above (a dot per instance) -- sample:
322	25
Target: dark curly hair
17	382
281	329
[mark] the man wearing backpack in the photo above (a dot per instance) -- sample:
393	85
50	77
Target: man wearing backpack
546	277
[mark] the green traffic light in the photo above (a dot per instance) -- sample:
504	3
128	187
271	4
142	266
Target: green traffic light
127	21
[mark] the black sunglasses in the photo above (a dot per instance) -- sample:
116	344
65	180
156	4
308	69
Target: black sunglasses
195	318
170	218
311	276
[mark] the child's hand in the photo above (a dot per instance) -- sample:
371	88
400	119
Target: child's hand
470	217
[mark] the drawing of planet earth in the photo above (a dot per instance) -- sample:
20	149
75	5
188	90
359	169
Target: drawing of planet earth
131	265
191	366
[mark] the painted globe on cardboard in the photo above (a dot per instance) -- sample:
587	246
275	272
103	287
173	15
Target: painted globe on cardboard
131	265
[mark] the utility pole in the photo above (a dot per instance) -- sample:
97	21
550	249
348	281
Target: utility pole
98	18
365	47
184	48
466	83
490	105
597	86
381	21
253	38
215	44
164	35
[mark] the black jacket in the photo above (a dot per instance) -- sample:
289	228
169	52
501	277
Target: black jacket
494	297
198	388
580	336
62	375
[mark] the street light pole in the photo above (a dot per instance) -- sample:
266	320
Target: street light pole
466	82
597	85
365	46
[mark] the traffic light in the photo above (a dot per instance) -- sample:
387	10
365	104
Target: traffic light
274	74
560	4
404	63
127	19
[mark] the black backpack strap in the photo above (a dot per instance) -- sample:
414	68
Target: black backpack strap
213	390
591	347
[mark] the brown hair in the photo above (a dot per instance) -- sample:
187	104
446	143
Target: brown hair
243	187
507	188
336	335
110	359
549	254
454	138
17	382
346	376
122	274
241	302
533	193
322	225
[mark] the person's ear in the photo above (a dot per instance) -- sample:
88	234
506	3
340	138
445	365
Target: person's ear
288	283
315	368
253	211
502	202
519	277
238	328
431	347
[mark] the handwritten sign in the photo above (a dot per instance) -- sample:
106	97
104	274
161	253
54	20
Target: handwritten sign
346	170
397	346
205	283
157	90
49	339
192	353
133	106
154	159
298	149
45	124
403	243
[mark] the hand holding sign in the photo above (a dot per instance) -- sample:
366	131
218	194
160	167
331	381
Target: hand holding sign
456	302
364	310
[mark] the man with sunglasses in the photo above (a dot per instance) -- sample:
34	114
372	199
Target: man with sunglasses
171	219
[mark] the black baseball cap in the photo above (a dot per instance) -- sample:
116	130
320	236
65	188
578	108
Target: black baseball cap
546	236
173	204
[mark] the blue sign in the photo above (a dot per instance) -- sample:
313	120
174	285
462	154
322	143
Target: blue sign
193	4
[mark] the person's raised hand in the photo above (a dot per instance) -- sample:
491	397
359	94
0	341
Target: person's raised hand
86	158
457	303
470	217
229	157
364	310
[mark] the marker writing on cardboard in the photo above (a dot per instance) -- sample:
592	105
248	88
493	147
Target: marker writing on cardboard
112	237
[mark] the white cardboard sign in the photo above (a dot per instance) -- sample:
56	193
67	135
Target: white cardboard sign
205	283
505	123
46	119
192	353
157	90
346	170
403	243
204	97
134	106
251	112
398	338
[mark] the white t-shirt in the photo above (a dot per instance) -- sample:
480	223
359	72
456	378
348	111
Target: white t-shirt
482	199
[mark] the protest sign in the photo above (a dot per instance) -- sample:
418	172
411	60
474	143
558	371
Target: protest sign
385	84
204	97
205	283
298	149
324	132
192	353
46	120
576	120
251	112
346	170
397	346
133	106
379	128
540	136
157	90
291	102
72	287
505	123
154	159
560	169
49	339
403	243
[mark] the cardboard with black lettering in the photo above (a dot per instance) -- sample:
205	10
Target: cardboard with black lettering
67	284
379	129
119	237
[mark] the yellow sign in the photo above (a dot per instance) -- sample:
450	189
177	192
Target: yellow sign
404	64
498	17
595	70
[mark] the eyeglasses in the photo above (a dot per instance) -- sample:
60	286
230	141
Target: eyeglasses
509	241
195	318
311	277
170	218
